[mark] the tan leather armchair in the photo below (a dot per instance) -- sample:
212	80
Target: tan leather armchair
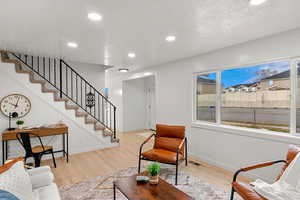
170	147
246	191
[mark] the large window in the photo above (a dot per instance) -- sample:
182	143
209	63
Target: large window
298	99
206	97
257	97
252	97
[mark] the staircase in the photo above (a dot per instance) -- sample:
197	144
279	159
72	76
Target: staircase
68	86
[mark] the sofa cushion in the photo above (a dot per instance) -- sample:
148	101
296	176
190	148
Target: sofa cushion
4	195
42	179
16	181
49	192
38	170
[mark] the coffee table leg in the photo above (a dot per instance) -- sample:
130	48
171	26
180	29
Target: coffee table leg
114	191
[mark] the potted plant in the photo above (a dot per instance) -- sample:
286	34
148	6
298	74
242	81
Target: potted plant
20	124
153	171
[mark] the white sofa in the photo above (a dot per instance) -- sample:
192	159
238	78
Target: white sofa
42	183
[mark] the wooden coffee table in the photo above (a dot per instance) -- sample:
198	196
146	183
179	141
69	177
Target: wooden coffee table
145	191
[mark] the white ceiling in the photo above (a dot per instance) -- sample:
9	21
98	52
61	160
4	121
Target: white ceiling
45	26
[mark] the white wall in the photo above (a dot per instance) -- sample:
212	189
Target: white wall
174	92
82	137
134	101
93	73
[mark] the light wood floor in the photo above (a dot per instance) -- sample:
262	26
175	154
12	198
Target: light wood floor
87	165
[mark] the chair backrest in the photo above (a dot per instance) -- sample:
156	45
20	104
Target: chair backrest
169	137
290	156
24	139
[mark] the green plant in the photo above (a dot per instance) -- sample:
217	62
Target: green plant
154	169
19	122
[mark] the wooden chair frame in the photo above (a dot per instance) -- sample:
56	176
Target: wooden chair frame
184	142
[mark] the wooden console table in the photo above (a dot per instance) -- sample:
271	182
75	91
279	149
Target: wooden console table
57	130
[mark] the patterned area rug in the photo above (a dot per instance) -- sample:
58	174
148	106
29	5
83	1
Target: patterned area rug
100	188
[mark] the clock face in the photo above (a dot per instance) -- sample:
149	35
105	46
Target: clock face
15	103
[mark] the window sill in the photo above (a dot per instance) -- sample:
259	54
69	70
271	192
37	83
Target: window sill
248	132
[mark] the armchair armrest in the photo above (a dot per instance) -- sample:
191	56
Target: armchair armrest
257	166
181	144
147	140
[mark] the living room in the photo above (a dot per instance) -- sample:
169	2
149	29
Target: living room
112	94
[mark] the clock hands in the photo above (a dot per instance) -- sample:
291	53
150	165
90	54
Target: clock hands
17	103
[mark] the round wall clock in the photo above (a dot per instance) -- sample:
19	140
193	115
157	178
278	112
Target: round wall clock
15	103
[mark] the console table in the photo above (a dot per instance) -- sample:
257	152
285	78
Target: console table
60	129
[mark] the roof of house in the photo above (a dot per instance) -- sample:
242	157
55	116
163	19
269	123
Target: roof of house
205	80
285	74
243	85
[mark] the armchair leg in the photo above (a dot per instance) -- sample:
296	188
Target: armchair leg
232	194
139	169
186	154
53	158
176	176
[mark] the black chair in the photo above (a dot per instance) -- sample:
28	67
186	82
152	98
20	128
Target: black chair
36	152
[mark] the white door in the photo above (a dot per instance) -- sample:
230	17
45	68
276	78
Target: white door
150	103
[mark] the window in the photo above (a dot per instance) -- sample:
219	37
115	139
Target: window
261	97
298	99
206	97
257	97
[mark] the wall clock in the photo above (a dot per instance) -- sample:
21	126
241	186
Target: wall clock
15	103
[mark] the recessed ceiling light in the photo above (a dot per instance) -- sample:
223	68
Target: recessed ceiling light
94	17
72	44
123	70
170	38
256	2
131	55
147	73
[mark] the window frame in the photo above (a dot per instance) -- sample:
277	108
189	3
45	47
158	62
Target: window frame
195	75
294	92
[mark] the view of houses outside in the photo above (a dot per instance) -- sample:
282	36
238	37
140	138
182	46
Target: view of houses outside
206	97
253	97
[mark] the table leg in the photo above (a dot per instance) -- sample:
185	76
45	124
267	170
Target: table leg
3	153
64	145
67	146
114	191
6	150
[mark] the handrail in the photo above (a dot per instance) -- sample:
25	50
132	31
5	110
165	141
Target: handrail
87	82
100	114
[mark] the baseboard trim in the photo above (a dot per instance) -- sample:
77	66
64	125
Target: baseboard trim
227	167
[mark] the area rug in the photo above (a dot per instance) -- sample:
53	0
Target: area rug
100	188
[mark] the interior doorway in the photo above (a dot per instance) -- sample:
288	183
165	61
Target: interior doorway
139	104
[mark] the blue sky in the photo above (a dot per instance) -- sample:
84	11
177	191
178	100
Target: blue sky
249	74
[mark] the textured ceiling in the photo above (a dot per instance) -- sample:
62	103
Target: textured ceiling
45	26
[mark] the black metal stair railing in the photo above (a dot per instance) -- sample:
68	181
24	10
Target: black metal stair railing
69	83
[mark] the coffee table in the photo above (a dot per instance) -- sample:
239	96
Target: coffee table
145	191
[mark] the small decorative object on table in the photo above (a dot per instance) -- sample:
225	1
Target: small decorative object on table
20	124
142	179
153	171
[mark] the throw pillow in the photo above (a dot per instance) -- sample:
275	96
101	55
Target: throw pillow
4	195
17	181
